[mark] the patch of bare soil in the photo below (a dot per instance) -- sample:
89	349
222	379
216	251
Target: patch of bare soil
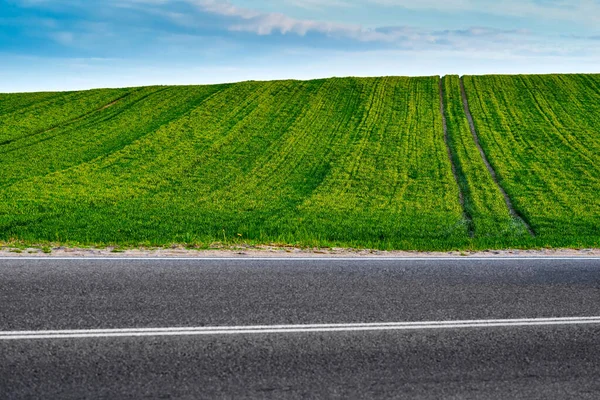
110	104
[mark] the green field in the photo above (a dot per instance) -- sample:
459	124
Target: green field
542	136
349	162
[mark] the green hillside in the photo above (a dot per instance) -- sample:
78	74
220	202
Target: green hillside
361	162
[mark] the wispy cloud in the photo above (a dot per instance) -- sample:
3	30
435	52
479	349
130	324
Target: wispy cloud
247	20
583	11
405	37
223	18
226	8
267	23
580	11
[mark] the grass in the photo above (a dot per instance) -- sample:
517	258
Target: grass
23	117
542	136
490	219
343	162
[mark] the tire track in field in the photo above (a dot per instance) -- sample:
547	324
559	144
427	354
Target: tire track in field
507	199
467	216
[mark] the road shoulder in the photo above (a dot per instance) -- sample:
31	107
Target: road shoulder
277	252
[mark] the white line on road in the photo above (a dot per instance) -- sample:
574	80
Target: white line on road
271	329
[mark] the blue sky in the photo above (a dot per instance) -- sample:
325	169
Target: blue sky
78	44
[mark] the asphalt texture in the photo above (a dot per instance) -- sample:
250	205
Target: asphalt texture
545	362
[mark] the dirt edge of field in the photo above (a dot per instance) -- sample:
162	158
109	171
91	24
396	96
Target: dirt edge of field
274	251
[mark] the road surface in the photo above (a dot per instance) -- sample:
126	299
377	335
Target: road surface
298	328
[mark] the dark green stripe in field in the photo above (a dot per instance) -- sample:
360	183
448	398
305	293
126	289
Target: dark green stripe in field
335	162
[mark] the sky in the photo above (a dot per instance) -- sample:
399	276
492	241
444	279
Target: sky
81	44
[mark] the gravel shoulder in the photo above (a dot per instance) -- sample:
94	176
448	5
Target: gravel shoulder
273	251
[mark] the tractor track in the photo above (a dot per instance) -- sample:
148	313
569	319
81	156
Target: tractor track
491	170
467	216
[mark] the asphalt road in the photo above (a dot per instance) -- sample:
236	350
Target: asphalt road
533	361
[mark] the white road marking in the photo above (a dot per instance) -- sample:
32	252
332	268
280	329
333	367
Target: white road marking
292	258
271	329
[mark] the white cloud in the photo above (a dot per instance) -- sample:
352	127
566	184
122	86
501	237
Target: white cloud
265	23
246	20
268	23
226	8
583	11
472	39
580	11
319	4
